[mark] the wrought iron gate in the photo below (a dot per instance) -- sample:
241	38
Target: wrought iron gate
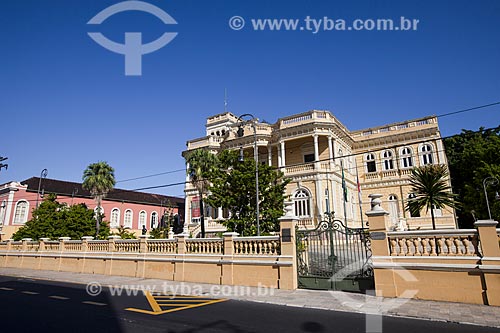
334	257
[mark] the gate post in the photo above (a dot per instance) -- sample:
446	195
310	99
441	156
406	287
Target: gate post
384	283
288	274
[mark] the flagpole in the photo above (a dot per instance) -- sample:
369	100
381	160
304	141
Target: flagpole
359	197
344	190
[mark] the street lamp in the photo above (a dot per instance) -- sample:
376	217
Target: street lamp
240	134
486	182
43	175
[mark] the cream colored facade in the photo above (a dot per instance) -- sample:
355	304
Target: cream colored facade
313	148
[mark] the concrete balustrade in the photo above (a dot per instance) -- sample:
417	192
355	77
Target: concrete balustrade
443	265
250	261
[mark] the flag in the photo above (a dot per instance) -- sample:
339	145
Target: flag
359	187
344	187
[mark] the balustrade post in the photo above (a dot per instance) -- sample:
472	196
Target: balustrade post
490	248
25	243
288	246
9	244
228	251
111	242
62	240
229	242
181	243
143	243
42	243
377	216
171	233
85	243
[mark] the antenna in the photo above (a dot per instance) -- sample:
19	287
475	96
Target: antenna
225	100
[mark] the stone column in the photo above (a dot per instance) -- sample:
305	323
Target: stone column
62	240
85	243
25	243
316	148
143	243
179	264
490	262
330	151
42	243
269	155
288	274
227	266
283	153
111	242
9	244
384	280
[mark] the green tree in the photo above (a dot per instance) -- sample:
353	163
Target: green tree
233	188
472	157
53	220
99	179
430	186
201	165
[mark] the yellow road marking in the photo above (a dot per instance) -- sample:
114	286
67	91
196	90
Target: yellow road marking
94	303
152	302
59	297
178	306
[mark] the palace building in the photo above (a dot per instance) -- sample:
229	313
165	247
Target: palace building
317	152
129	209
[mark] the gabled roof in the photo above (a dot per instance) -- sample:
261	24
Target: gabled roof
65	188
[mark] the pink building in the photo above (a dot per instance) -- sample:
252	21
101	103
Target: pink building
129	209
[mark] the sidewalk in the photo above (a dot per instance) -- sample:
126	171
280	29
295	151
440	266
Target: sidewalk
327	300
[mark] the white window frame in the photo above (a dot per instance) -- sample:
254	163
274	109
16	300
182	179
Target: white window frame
154	224
370	157
114	224
143	221
302	204
3	210
387	161
425	155
130	215
406	158
21	219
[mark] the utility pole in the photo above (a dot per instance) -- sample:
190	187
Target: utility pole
2	165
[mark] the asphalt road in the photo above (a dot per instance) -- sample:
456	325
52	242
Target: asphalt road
45	306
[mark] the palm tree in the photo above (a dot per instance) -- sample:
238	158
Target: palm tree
99	179
431	190
200	164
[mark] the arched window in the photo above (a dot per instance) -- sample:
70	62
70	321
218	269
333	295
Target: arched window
154	220
370	163
426	154
115	218
393	209
406	158
302	201
387	160
21	213
127	219
410	197
3	207
142	218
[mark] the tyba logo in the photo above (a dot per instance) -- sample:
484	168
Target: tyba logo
133	49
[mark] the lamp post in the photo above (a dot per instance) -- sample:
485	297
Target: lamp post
43	175
486	182
256	158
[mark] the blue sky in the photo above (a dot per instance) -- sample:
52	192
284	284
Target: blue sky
65	101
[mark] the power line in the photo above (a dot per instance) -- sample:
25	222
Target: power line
149	176
467	110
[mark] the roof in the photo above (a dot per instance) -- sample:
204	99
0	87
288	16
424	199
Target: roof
61	187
